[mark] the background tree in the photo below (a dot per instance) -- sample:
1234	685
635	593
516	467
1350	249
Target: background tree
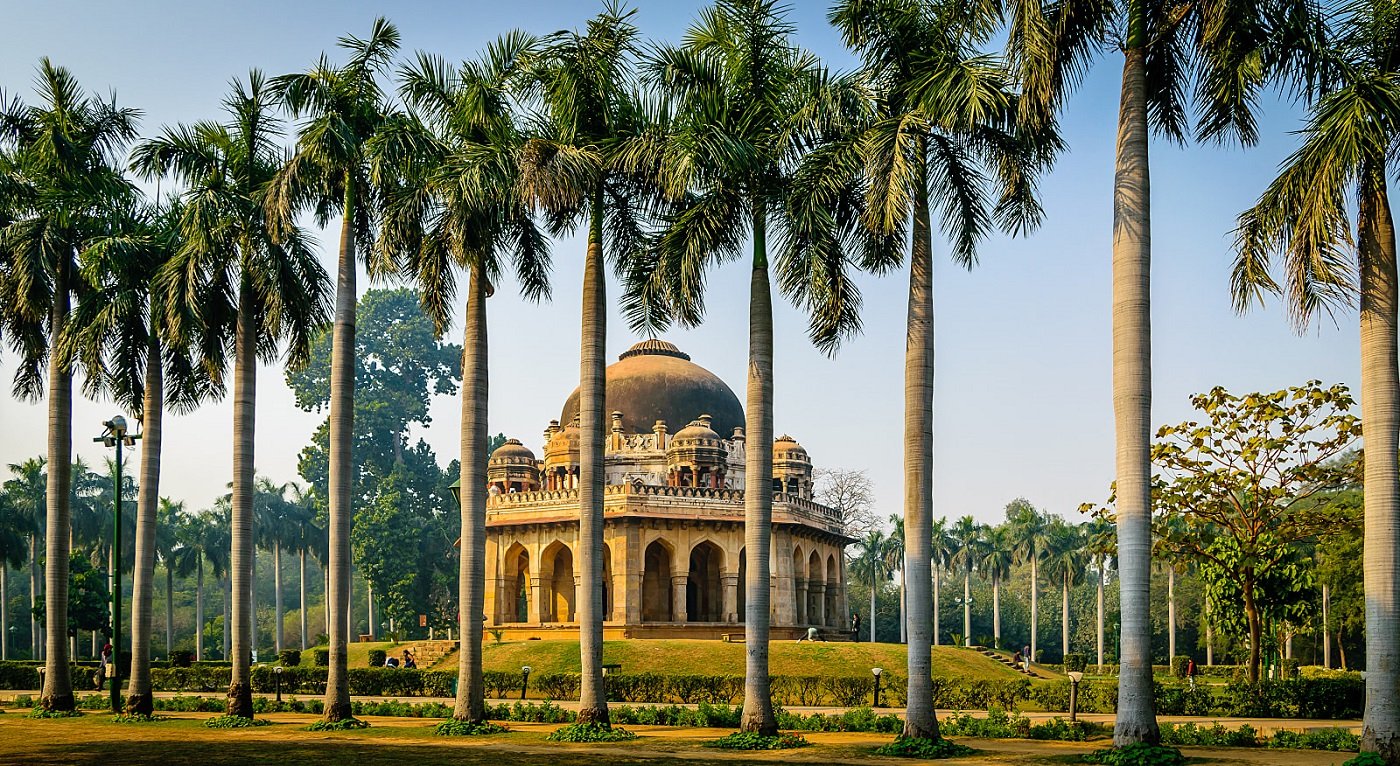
1101	543
997	556
967	533
1031	532
1240	480
894	564
1065	561
869	564
58	187
14	548
851	493
27	492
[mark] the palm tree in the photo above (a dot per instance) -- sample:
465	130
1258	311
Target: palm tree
967	534
942	554
1064	560
306	539
343	109
894	562
1348	152
461	207
1102	545
58	187
242	289
870	563
277	525
995	562
1031	535
1217	54
27	491
14	533
749	103
196	541
591	160
943	136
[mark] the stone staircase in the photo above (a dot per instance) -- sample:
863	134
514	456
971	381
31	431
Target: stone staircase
1003	659
427	653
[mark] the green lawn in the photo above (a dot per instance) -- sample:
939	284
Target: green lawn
94	741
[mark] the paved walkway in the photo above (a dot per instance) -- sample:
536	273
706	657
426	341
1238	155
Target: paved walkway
1265	726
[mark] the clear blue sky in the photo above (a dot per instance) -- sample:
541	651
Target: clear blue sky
1023	398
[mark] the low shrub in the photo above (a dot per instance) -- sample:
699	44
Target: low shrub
1179	664
1075	662
1137	754
918	747
998	724
40	712
138	718
1365	759
748	740
321	658
181	658
848	691
377	658
590	732
235	722
500	684
1336	740
344	724
454	728
1208	736
529	712
558	686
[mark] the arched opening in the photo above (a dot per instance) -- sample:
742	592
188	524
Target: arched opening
704	592
816	590
799	585
656	583
607	583
515	601
833	591
557	572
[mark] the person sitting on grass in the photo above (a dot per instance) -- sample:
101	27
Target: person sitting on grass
408	662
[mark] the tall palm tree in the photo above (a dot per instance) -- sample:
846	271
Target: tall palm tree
749	103
894	562
1217	54
342	109
234	288
995	562
170	518
943	137
307	538
197	544
942	554
461	207
1102	545
590	161
870	563
28	492
59	185
1349	151
277	525
1064	561
967	533
14	534
1031	534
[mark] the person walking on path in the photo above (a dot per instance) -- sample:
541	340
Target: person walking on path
855	625
1191	673
104	665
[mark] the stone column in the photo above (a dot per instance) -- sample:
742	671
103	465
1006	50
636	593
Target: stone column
632	571
818	596
800	588
678	583
730	583
533	608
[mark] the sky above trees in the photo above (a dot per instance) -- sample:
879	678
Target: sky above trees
1022	403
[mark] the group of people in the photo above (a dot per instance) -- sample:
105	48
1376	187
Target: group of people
406	662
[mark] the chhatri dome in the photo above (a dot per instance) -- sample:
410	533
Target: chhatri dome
673	556
653	380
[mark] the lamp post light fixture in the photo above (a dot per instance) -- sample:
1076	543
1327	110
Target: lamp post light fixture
277	674
876	672
524	680
116	435
1075	677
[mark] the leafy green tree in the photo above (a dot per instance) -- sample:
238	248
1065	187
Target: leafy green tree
330	172
386	543
237	289
89	600
1241	479
27	492
14	535
59	185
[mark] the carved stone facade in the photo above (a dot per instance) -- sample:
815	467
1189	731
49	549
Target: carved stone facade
673	553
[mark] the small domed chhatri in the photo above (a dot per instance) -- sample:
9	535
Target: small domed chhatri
673	552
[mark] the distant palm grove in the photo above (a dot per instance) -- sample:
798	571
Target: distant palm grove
1259	532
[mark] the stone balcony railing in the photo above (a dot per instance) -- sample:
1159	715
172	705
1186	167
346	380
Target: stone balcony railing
617	497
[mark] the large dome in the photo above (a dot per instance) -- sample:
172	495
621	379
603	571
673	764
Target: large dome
654	381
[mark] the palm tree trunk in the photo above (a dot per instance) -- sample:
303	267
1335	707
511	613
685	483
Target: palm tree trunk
326	596
277	597
169	610
1171	613
1210	637
36	645
920	718
1100	611
240	624
1035	605
228	608
301	598
1380	412
199	610
139	700
4	612
967	607
903	621
342	431
1326	633
874	586
471	571
58	688
1132	397
1064	617
996	611
758	489
593	702
937	586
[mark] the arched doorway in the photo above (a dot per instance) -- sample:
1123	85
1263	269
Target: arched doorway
799	585
557	570
607	583
816	590
704	592
656	583
515	586
833	591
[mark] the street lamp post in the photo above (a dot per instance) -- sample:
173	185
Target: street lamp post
1074	678
277	675
116	435
524	680
876	672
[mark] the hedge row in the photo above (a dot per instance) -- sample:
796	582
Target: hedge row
1339	697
